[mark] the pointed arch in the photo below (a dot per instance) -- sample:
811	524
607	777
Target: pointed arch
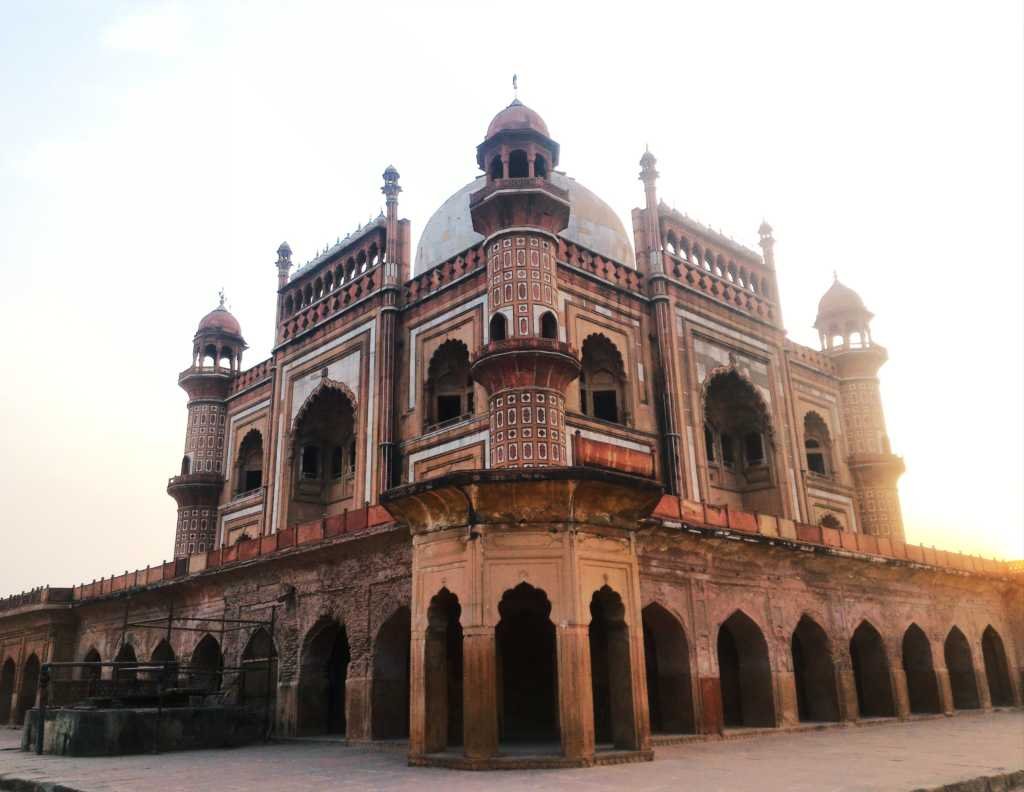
745	673
325	384
814	672
449	384
603	384
89	674
611	671
960	665
29	687
918	665
7	673
206	665
669	681
259	670
871	672
528	680
323	675
390	691
997	669
442	724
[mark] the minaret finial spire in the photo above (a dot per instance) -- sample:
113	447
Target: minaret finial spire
515	86
220	295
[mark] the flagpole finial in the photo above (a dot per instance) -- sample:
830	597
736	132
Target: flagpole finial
220	295
515	86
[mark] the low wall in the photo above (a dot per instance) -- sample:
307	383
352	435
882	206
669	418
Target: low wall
116	732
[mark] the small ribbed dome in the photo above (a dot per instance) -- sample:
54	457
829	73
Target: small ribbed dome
840	301
516	116
220	318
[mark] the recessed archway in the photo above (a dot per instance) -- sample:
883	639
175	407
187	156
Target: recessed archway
322	678
669	685
813	673
163	655
611	672
259	670
871	673
442	673
7	673
745	674
527	667
997	669
29	688
960	666
207	664
89	674
390	702
922	685
125	655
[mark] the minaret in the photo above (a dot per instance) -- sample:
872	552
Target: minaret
843	326
387	473
216	358
668	404
525	367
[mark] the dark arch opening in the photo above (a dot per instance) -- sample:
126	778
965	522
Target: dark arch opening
745	674
997	669
443	673
391	677
602	380
871	673
527	666
540	167
814	673
186	465
669	685
126	655
322	679
499	327
29	688
548	325
249	473
164	655
449	384
259	670
7	673
922	684
323	467
207	665
611	671
518	165
961	671
89	674
497	171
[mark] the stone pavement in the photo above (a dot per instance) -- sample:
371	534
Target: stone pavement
890	756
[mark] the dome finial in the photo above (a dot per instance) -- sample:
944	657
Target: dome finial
220	296
515	87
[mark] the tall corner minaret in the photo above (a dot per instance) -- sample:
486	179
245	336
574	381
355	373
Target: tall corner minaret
843	325
395	273
216	359
525	365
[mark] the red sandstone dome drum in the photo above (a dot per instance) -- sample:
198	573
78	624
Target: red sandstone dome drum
220	318
515	117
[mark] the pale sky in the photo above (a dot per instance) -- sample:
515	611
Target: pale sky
155	152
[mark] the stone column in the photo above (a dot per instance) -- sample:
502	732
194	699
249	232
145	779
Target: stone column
480	689
357	703
418	726
900	693
712	720
788	711
981	679
945	690
849	710
575	691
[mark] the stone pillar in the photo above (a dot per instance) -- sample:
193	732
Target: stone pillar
480	692
575	693
357	705
900	693
849	710
712	719
981	679
787	712
419	738
945	690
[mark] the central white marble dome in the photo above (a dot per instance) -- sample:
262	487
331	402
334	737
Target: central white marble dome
592	224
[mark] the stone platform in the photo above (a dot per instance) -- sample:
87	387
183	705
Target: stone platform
117	732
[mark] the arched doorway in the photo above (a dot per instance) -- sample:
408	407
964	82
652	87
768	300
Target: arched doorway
391	677
207	664
442	673
125	673
163	655
611	672
922	686
813	672
527	667
29	688
996	669
322	678
90	673
871	673
7	672
667	659
745	674
259	670
325	451
961	671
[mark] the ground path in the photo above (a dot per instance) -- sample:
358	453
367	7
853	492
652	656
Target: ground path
891	756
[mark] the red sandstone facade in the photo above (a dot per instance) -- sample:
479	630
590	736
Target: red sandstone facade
767	582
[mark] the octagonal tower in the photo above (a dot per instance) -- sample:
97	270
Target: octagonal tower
526	596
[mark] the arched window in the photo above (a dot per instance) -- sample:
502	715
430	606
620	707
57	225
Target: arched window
540	167
518	165
249	473
671	245
548	325
325	429
496	168
817	445
737	423
602	380
210	356
449	384
499	327
186	465
829	520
